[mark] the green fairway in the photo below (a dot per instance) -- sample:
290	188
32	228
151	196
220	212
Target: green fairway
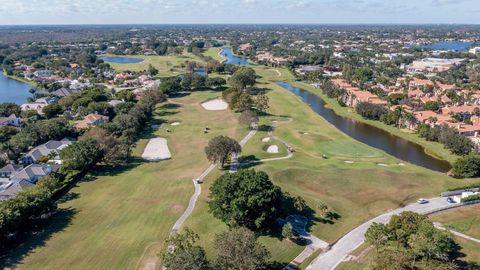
119	213
213	52
433	148
168	65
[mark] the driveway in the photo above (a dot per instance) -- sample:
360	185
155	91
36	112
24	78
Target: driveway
349	242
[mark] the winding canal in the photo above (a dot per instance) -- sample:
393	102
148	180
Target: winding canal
371	135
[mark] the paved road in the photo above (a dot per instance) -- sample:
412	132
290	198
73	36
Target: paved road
349	242
235	164
193	200
313	243
459	234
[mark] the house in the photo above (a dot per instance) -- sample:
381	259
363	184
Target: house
33	106
64	92
91	120
47	149
32	173
7	170
11	120
245	47
12	188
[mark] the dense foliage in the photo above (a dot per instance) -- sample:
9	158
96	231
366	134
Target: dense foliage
246	198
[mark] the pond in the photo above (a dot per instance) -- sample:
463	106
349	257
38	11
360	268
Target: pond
371	135
13	91
232	58
457	46
121	60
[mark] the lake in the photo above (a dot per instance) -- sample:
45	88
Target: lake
121	60
371	135
450	46
13	91
233	59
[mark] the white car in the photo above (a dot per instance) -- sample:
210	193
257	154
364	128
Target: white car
422	201
198	180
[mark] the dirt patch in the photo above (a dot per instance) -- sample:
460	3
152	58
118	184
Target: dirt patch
176	208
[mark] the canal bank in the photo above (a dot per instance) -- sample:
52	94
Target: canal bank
432	149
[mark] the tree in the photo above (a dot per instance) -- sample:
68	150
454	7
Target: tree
246	198
220	148
6	109
371	111
248	117
80	155
288	232
238	249
299	203
244	102
6	132
243	78
432	106
171	86
181	253
114	152
152	70
261	103
52	110
467	167
377	236
215	82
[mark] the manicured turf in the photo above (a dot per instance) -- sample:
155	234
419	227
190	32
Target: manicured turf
465	220
119	213
213	52
168	65
432	148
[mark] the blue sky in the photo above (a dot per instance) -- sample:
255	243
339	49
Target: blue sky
238	11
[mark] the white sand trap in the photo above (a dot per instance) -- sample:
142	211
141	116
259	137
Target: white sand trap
215	105
272	149
175	123
382	164
401	164
266	139
349	161
156	149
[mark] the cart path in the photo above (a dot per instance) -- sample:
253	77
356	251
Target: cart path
459	234
353	239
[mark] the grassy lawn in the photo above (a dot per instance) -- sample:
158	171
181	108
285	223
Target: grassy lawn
465	220
167	65
356	191
213	52
432	148
117	214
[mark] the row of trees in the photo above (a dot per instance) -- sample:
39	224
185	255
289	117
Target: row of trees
456	143
236	248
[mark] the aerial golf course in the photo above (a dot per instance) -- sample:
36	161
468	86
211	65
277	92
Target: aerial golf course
120	219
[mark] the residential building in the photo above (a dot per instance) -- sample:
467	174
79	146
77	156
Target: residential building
91	120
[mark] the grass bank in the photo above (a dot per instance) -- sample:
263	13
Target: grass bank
432	148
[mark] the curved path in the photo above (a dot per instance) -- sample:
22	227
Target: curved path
349	242
459	234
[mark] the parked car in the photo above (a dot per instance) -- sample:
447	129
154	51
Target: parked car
450	200
422	201
198	180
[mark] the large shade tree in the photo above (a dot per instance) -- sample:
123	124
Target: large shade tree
220	148
246	198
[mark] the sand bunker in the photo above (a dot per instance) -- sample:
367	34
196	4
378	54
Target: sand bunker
266	139
272	149
175	124
215	105
156	149
349	161
382	164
